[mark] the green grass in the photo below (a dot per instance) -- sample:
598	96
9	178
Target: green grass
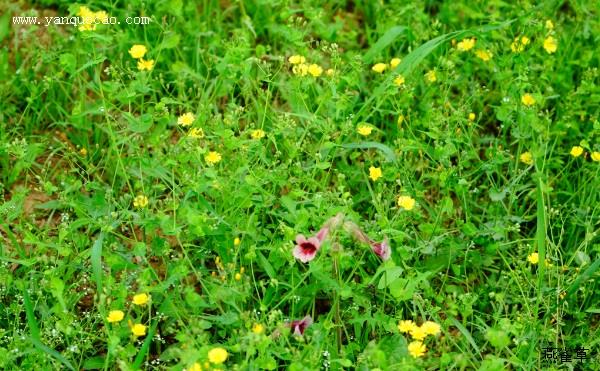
86	138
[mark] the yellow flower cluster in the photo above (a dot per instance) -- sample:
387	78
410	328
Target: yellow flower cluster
217	355
375	173
364	129
91	19
484	55
466	44
528	100
431	76
406	202
301	68
138	52
416	348
381	67
186	119
519	43
140	201
212	157
576	151
550	45
116	315
526	158
257	134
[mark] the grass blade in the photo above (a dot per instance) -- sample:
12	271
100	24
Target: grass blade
139	358
385	40
52	353
465	333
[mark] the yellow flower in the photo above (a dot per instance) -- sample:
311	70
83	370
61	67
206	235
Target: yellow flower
115	316
140	201
395	62
330	72
431	328
472	116
138	51
87	27
195	367
406	202
196	133
533	258
549	24
595	156
364	130
417	349
518	45
217	355
138	329
526	158
418	332
186	119
399	81
236	241
315	70
466	45
258	329
296	59
528	100
83	151
550	45
140	299
431	76
145	65
102	16
406	326
257	134
212	157
238	276
484	55
301	69
379	67
375	173
576	151
85	12
88	17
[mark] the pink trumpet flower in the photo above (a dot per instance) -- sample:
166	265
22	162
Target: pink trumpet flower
306	248
381	249
299	326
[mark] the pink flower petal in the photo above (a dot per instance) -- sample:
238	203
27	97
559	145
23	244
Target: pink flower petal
300	326
382	249
322	234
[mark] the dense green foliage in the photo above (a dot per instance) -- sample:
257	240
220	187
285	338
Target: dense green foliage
187	173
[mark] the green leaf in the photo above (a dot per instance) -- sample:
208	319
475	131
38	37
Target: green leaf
90	63
68	62
266	266
138	124
96	258
498	338
170	41
497	196
388	153
94	363
385	40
